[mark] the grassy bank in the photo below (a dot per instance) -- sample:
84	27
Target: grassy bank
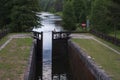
104	57
13	59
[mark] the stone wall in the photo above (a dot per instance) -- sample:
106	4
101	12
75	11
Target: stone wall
82	66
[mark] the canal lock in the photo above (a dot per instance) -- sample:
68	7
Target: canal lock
59	58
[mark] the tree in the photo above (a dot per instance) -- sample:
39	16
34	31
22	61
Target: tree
115	13
68	16
100	18
5	10
19	15
58	5
23	16
79	11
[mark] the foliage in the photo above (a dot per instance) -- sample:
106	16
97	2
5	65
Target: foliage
5	9
51	5
19	15
100	18
115	13
104	15
77	15
79	10
68	16
58	5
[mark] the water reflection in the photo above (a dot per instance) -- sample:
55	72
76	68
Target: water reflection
50	23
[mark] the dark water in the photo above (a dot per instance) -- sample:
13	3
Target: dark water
49	23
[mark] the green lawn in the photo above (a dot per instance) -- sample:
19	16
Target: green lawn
14	58
4	39
109	60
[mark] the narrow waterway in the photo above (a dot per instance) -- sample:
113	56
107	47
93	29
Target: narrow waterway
50	22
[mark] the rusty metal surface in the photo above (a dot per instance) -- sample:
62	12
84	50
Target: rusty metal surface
78	68
67	64
82	66
60	66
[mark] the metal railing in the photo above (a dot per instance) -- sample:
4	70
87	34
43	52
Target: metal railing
108	38
3	33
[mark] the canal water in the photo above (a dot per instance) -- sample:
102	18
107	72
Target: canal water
50	22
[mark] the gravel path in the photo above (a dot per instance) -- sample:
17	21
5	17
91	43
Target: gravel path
14	36
84	36
81	36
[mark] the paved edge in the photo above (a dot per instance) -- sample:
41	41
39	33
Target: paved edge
79	36
12	37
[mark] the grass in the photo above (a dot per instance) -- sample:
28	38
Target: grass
109	60
80	29
13	59
108	43
4	39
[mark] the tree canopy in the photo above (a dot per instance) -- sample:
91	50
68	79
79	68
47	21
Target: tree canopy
19	15
68	16
103	14
52	5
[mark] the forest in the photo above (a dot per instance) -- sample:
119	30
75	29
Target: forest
104	15
20	15
51	5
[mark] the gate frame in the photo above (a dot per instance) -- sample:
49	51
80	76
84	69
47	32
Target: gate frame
61	40
35	59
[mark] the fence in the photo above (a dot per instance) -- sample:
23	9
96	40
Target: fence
108	38
3	33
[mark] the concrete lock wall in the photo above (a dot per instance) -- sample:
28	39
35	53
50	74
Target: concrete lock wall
34	69
31	69
81	65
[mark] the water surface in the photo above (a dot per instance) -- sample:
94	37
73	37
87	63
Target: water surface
50	22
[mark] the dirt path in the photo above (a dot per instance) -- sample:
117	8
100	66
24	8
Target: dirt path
14	36
84	36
